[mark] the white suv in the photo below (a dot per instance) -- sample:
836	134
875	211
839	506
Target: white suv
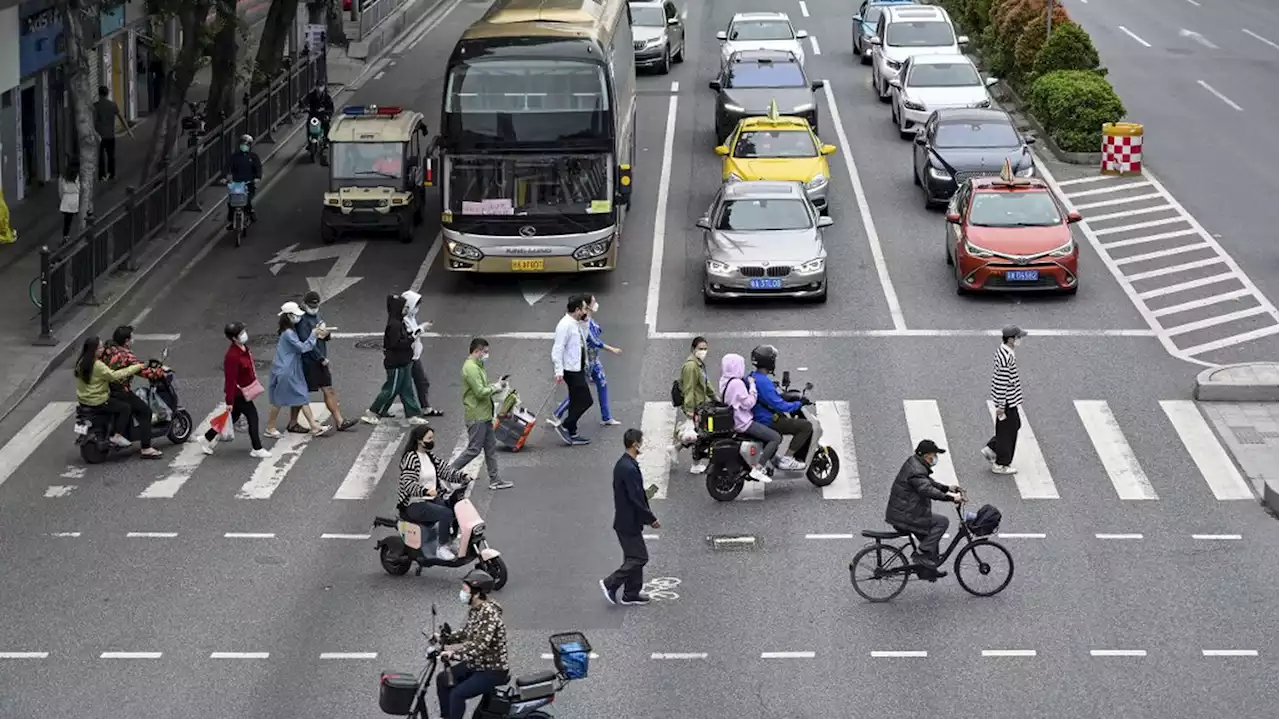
760	31
904	32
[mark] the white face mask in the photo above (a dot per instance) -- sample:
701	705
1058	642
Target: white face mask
595	306
243	338
484	358
313	311
294	318
700	354
464	596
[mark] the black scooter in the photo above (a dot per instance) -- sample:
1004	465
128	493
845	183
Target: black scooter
93	424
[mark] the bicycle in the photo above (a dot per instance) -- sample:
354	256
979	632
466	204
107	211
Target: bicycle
892	567
238	201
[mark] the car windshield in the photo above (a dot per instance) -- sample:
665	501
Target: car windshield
928	33
976	134
648	16
744	75
761	30
367	160
528	185
764	215
872	14
1014	209
775	143
960	74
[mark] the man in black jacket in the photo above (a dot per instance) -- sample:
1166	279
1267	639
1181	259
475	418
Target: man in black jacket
244	166
631	514
910	506
397	358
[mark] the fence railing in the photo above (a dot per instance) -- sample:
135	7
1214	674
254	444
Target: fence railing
374	13
69	273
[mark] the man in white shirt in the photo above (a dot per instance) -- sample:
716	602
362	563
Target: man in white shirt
569	357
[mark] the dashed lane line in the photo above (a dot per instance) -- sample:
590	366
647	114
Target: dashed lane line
1230	652
678	655
349	655
1117	652
787	655
1253	35
1213	91
343	536
131	655
24	655
1216	537
813	40
804	9
1104	535
151	535
893	654
1008	652
239	655
249	535
1131	34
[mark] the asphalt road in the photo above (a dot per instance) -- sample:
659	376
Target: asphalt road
261	561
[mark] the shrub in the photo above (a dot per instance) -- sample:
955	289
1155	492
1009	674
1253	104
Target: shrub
1026	48
1073	105
975	16
997	59
1069	47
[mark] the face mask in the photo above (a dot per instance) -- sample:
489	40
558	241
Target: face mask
700	354
244	148
639	449
931	461
464	596
294	318
313	311
484	358
595	306
429	445
243	338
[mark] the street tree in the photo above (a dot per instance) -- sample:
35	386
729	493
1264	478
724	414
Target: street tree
78	16
192	16
275	33
228	32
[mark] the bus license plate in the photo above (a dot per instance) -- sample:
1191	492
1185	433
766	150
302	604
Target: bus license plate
766	284
1022	275
528	265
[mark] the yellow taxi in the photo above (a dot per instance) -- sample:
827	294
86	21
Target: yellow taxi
778	148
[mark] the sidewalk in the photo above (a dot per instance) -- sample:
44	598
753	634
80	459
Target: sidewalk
1240	401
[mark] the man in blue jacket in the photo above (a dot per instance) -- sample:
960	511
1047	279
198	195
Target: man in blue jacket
631	514
772	411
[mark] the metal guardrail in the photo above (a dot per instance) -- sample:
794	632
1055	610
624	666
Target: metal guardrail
374	13
69	273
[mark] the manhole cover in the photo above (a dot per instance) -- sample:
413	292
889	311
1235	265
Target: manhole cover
263	340
369	345
733	542
262	364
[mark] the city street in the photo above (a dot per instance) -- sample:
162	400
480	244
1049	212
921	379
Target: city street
224	586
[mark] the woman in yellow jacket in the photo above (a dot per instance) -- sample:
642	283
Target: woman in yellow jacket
93	390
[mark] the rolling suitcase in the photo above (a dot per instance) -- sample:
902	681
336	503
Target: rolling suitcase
513	424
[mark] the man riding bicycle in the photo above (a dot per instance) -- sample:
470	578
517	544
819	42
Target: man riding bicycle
910	506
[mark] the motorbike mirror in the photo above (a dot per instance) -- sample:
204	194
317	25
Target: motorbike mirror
164	354
786	378
433	610
808	386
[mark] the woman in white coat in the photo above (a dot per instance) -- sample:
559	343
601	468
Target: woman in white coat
69	198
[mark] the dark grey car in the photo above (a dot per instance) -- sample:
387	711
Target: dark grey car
752	79
955	144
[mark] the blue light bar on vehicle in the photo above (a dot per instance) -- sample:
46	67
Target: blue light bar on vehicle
370	111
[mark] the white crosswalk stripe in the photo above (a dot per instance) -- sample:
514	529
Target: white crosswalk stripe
183	467
1117	457
372	462
658	424
1032	478
924	421
1211	459
32	435
285	453
837	433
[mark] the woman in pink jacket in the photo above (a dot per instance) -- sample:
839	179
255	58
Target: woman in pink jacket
739	392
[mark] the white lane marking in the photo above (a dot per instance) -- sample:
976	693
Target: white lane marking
1256	36
1188	285
131	655
420	278
410	42
1215	321
1230	652
649	536
849	334
182	466
828	536
1008	652
379	75
680	655
32	435
837	432
285	453
1130	213
1216	536
898	654
787	655
864	210
1118	201
65	534
349	655
1113	449
1145	239
249	535
1117	652
73	472
1084	180
239	655
329	535
24	655
372	462
1107	190
174	337
1137	226
658	424
1131	34
1183	32
1215	465
592	655
151	535
1022	535
1234	340
1193	2
660	214
813	40
1229	102
804	9
58	490
924	421
1033	478
142	317
1117	536
1159	254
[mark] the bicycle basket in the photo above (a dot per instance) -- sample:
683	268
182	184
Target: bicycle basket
237	194
986	521
572	654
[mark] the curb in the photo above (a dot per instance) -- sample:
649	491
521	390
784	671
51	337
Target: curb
1210	389
72	337
1270	497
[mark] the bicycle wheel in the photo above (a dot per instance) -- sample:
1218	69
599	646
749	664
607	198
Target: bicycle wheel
986	563
878	572
33	291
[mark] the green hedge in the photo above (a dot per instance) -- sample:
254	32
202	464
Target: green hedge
1073	105
1068	48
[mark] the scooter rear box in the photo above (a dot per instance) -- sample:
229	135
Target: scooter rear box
714	418
395	693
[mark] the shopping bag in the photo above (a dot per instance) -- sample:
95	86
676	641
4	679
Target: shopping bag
221	423
160	411
688	432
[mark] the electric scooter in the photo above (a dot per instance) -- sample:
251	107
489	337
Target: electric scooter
317	143
169	419
415	543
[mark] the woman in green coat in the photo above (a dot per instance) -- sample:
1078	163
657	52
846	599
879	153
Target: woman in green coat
93	390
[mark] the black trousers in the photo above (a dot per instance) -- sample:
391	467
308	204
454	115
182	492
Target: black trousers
421	384
928	542
118	410
67	219
579	400
629	576
242	408
107	157
799	429
139	410
1005	440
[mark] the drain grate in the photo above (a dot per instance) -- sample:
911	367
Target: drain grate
733	542
369	345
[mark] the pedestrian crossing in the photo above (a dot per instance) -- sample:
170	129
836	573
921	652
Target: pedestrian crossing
358	474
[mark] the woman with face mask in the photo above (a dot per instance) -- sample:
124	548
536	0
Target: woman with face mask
696	388
287	384
93	387
478	652
595	370
424	481
240	386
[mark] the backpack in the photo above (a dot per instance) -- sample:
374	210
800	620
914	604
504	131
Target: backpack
986	521
677	394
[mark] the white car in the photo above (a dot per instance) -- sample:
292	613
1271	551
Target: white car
761	31
904	32
935	82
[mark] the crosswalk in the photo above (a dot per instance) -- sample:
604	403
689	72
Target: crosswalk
363	471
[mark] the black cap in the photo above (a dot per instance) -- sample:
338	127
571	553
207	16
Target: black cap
312	298
928	446
1012	331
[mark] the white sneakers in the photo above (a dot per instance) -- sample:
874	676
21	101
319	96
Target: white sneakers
990	455
445	554
369	417
418	420
758	474
699	467
207	446
259	453
788	464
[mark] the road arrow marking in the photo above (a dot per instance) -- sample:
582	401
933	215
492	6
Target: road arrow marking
535	290
333	283
1197	37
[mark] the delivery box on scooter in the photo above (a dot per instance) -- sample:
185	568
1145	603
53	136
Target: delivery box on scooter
714	418
395	693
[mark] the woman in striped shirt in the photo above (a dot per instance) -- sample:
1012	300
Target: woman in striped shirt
423	479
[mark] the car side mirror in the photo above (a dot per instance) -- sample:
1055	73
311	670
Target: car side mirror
818	84
991	81
953	218
920	138
722	36
875	40
786	378
962	40
1073	217
703	223
673	21
164	353
825	221
722	149
802	34
895	82
828	149
857	18
714	85
1029	139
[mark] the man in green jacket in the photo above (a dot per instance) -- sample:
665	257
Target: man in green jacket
697	389
477	406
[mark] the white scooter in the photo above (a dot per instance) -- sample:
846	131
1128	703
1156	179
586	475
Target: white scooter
415	543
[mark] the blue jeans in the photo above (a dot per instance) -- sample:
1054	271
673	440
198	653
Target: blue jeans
428	513
468	684
595	373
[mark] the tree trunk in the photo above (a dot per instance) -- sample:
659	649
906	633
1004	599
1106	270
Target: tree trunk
337	32
191	19
75	15
275	34
222	83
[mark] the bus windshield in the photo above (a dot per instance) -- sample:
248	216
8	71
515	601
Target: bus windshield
528	101
529	185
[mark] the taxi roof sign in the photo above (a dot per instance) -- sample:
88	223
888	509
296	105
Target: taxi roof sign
773	110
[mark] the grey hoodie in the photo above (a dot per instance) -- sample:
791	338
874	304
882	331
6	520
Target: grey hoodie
411	323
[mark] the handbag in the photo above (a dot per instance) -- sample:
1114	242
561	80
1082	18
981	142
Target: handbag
252	390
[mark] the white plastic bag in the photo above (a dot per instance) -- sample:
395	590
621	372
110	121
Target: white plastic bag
688	433
228	432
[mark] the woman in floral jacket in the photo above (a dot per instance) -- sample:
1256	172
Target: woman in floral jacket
478	652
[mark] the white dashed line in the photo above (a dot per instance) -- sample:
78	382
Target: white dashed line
131	655
58	491
1130	33
151	535
65	534
898	654
1230	652
1117	652
804	9
1193	2
787	655
650	536
239	655
349	655
1118	536
1008	652
344	536
1023	535
828	536
24	655
679	655
813	40
1251	34
1215	536
1230	103
249	535
379	75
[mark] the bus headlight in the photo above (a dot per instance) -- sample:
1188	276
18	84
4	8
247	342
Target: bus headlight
466	252
591	249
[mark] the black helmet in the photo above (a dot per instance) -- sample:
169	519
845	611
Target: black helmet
233	330
479	580
765	357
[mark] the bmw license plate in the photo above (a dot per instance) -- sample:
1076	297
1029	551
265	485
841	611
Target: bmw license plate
1022	275
766	284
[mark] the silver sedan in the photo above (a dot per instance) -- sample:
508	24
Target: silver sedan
764	239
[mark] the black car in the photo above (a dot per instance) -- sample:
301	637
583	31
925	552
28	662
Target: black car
956	144
752	79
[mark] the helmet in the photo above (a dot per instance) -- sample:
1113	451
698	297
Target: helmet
479	580
246	139
765	357
233	330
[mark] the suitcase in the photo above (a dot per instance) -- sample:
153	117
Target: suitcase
513	428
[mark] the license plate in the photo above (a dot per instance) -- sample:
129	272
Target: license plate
528	265
82	429
1022	275
766	284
